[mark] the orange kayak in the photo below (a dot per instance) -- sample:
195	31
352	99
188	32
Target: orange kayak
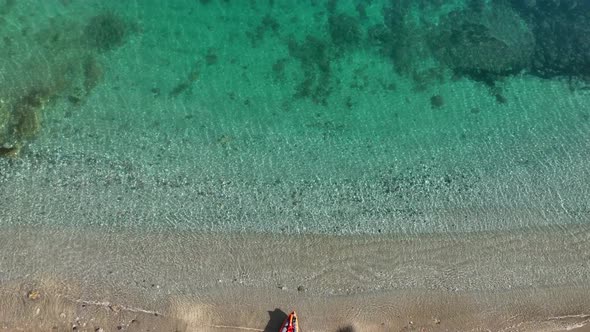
291	324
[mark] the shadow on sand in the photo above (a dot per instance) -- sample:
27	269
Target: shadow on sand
278	316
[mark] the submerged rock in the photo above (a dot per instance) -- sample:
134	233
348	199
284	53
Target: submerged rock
106	31
561	29
485	44
344	30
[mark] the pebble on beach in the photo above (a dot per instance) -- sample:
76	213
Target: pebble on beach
33	295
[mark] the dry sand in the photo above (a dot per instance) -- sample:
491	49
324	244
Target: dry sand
123	280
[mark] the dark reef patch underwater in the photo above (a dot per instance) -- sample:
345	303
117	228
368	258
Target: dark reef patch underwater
486	41
490	40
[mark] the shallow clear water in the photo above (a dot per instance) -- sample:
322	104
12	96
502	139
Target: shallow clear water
388	119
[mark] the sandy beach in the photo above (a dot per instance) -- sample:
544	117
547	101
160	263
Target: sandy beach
212	282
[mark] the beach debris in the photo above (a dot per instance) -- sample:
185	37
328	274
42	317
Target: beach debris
232	327
33	295
117	308
114	307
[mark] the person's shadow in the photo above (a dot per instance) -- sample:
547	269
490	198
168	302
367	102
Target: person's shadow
277	317
346	329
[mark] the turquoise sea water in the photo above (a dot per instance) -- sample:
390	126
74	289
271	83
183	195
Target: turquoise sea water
312	116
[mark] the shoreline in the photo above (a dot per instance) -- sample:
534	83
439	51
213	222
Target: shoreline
194	282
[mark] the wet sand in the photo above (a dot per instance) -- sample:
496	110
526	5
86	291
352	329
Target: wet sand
246	310
120	279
